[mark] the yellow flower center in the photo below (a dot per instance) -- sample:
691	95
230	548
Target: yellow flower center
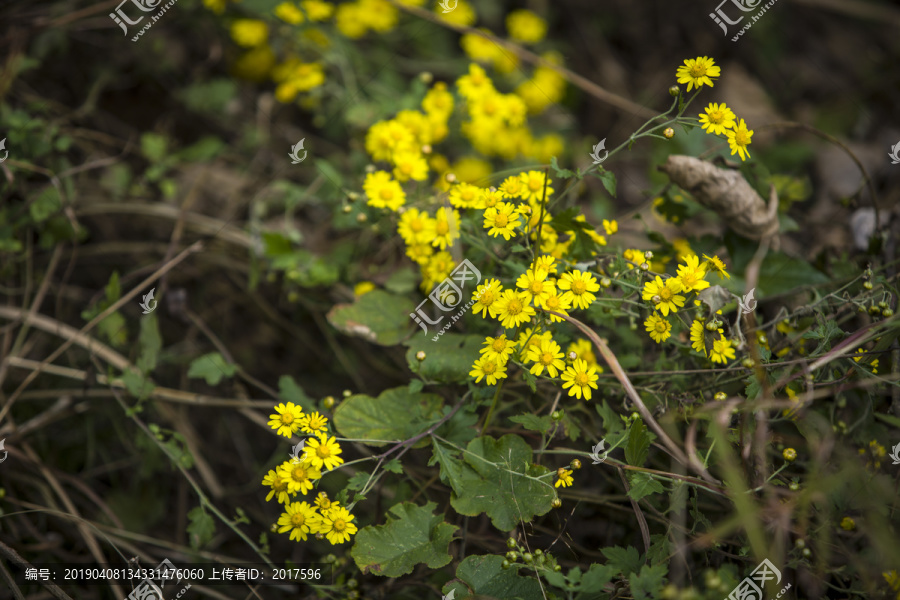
477	79
665	294
689	279
339	525
487	298
578	287
698	70
488	367
417	225
716	116
489	107
397	134
501	220
297	519
537	287
499	345
323	451
279	485
514	307
299	474
386	193
406	168
535	184
287	418
546	358
581	379
741	138
442	227
553	303
660	326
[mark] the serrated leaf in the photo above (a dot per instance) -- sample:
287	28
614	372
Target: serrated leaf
484	577
649	583
450	465
412	535
44	204
212	367
625	561
611	421
594	580
638	445
357	482
201	529
394	466
136	384
395	414
559	172
533	422
642	485
379	317
499	479
608	179
448	360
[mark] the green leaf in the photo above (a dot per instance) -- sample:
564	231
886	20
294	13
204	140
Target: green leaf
402	281
207	148
608	179
154	146
136	384
289	391
643	484
649	583
451	465
594	580
638	445
211	367
379	317
448	360
499	479
484	577
394	466
395	415
611	421
533	422
625	561
209	96
412	535
357	482
558	172
44	204
149	342
202	527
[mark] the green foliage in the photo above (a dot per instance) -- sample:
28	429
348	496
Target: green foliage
447	360
201	529
396	414
212	367
411	536
378	317
483	576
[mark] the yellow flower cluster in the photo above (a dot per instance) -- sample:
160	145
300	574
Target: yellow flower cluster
876	452
513	308
355	19
325	518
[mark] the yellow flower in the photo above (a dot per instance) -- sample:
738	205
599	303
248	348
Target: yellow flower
363	287
665	293
438	268
386	137
533	186
470	169
691	275
546	264
558	304
383	192
697	72
525	26
438	102
578	286
337	526
873	363
487	294
420	252
446	227
255	64
501	220
476	83
659	328
536	285
585	351
513	308
564	478
789	454
288	419
546	356
530	338
323	451
497	348
465	195
718	265
610	226
419	125
491	368
410	165
490	199
697	336
299	475
477	47
217	6
314	423
463	14
289	13
416	227
848	524
295	77
279	487
739	139
249	32
317	10
721	351
297	518
579	378
717	118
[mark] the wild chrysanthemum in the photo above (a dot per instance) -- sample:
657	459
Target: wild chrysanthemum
536	285
718	265
475	84
512	187
420	252
314	423
873	363
465	195
289	13
249	32
487	294
288	419
491	368
489	199
446	227
513	308
610	226
558	304
546	356
299	475
297	518
279	486
501	220
325	504
416	227
463	14
531	338
659	328
583	350
323	451
579	378
410	165
337	525
716	118
721	351
438	102
697	72
383	192
317	10
691	275
698	342
664	295
546	264
498	348
525	26
578	286
739	139
563	478
533	186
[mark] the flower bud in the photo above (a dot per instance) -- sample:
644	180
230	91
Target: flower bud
669	133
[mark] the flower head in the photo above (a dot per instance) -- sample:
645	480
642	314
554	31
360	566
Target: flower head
323	451
416	227
558	304
501	220
336	525
249	32
659	328
718	265
533	186
716	119
487	294
536	285
498	348
739	139
514	308
525	26
383	192
579	378
279	486
666	293
288	419
578	286
546	356
299	475
691	275
564	478
610	226
446	227
314	423
698	341
721	351
299	518
491	368
697	72
512	187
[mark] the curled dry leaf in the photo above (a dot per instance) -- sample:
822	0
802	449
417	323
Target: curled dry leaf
726	192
